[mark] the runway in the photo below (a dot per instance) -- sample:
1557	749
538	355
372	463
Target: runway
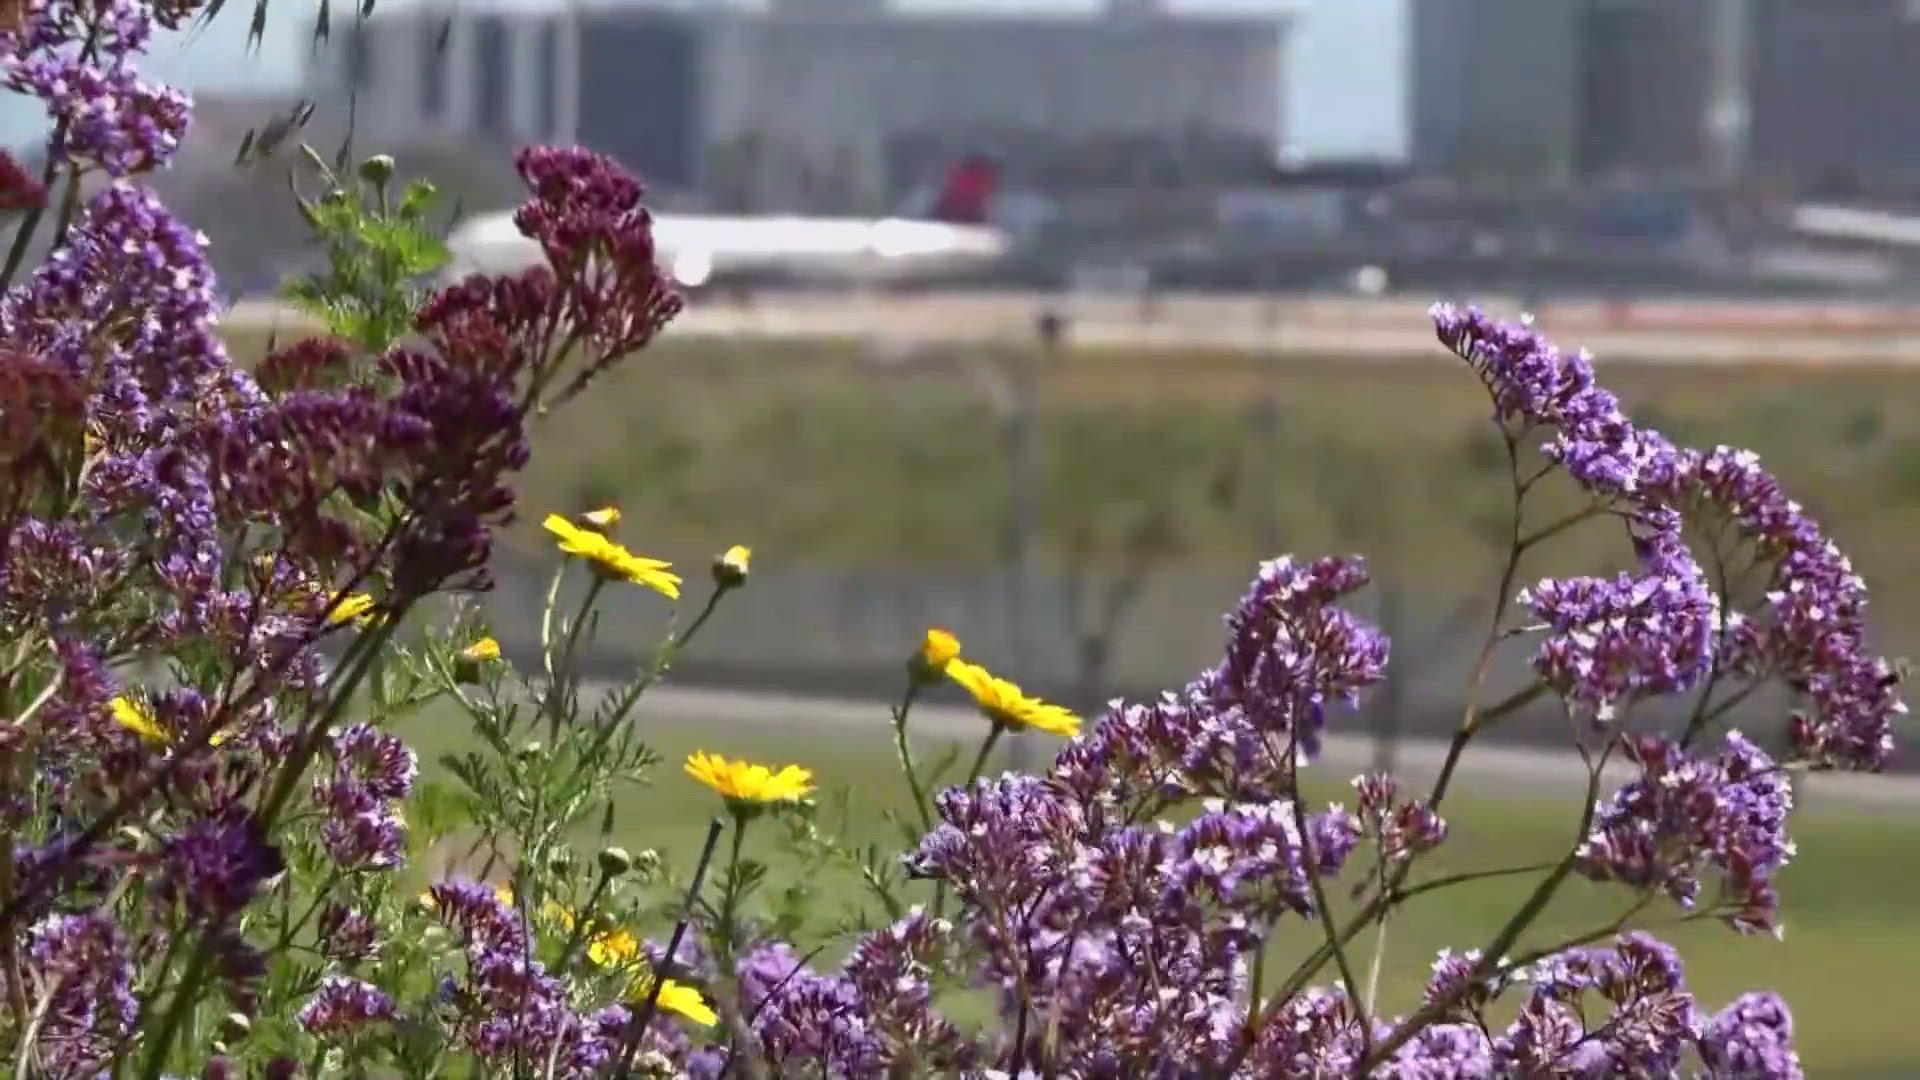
1691	333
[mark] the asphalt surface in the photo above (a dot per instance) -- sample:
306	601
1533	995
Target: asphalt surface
1488	767
1390	330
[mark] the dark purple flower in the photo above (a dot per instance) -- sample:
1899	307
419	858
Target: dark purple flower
1401	830
215	866
347	935
19	189
344	1006
375	760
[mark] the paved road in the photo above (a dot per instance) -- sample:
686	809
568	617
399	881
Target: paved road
1391	331
1511	769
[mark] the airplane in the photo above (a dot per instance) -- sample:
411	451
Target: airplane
706	249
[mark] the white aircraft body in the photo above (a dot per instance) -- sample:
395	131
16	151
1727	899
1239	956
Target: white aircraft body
699	248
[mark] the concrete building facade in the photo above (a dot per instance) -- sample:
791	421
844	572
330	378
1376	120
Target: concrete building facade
816	104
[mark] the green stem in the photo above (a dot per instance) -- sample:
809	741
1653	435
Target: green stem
23	237
900	746
664	971
730	898
1502	942
360	660
560	688
1319	890
986	750
580	920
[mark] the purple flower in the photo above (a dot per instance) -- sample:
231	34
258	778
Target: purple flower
1559	1032
1751	1039
82	966
1611	641
1251	858
375	760
892	971
215	866
347	935
1290	652
1687	813
344	1006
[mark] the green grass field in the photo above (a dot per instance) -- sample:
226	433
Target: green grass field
829	453
1846	963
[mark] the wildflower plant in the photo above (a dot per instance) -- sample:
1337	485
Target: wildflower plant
225	596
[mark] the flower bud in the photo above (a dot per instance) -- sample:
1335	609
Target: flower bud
929	663
531	751
614	861
647	863
235	1027
377	169
473	659
601	521
560	860
730	569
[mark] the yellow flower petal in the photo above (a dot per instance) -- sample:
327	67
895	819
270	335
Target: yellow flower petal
603	519
685	1000
939	649
742	782
1006	704
135	717
610	559
350	609
482	651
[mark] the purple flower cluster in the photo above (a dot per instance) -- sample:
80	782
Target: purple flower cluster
1688	812
215	866
509	1007
798	1015
1609	641
1291	650
1663	630
78	59
344	1007
372	772
1753	1037
82	966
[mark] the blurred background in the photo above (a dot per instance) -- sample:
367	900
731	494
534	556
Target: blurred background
1045	321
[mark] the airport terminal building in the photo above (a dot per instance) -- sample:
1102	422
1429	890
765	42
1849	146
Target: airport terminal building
824	105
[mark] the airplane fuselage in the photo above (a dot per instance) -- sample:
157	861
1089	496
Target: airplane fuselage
698	248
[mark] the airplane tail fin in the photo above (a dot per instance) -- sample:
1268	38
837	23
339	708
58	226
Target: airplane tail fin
966	194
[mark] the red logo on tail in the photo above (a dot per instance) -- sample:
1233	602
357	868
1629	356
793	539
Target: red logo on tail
967	196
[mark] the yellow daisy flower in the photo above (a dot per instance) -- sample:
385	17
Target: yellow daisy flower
740	782
678	998
351	609
137	718
611	560
1006	704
